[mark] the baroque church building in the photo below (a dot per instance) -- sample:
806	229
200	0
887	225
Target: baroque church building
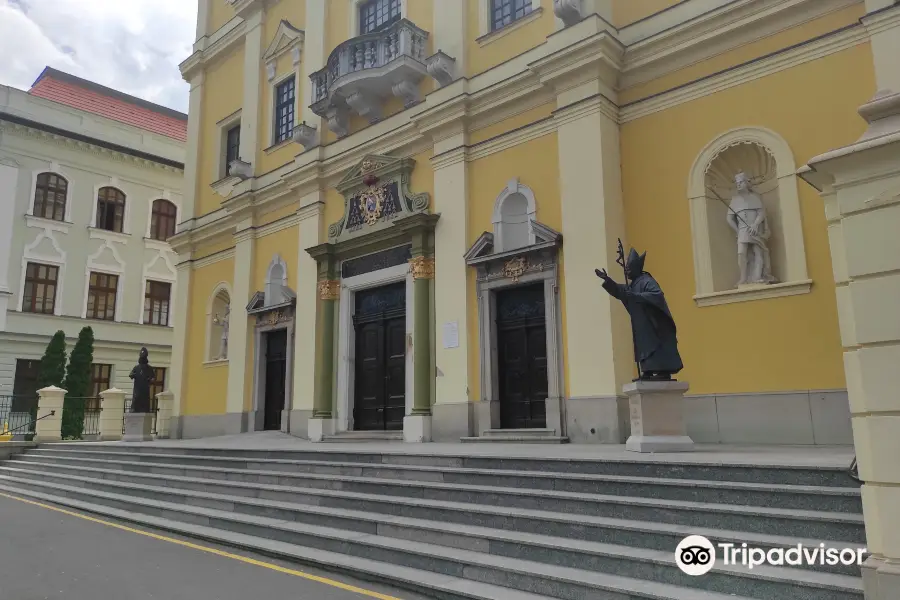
393	210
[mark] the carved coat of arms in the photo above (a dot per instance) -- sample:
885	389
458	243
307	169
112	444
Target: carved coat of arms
371	204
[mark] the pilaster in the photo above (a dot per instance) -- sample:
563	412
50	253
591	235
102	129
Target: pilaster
9	178
192	151
883	25
202	18
239	325
180	306
452	410
314	56
253	49
448	30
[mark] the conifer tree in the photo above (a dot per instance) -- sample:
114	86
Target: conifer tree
78	384
53	364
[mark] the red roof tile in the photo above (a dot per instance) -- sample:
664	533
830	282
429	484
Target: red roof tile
93	98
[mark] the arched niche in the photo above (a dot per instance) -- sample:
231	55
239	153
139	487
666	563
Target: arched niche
218	315
768	162
276	291
514	210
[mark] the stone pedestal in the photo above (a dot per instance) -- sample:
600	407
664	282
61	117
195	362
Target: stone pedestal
319	428
138	427
112	413
417	428
657	416
50	410
165	401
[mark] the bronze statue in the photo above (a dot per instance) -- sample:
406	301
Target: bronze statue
652	325
143	376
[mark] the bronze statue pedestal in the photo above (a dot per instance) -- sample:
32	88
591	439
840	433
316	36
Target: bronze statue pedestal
138	427
657	417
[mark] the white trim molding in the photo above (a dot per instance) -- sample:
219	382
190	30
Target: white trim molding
346	338
794	276
286	39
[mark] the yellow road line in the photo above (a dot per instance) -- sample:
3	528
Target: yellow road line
244	559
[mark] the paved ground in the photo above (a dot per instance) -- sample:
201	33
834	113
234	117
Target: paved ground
47	555
804	456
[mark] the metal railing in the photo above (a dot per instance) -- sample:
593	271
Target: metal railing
154	408
18	414
89	408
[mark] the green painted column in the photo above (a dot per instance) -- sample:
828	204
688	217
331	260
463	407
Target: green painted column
329	291
422	269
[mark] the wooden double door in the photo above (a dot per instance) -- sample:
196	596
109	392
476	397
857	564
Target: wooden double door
379	321
522	357
276	373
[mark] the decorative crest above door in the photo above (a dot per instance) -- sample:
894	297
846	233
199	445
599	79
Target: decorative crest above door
376	193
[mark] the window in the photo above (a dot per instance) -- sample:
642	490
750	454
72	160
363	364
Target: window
157	387
232	147
162	220
504	12
50	196
284	110
102	291
39	295
100	377
25	386
110	209
156	303
375	15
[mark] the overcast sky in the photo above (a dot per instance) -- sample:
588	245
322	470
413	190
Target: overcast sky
133	46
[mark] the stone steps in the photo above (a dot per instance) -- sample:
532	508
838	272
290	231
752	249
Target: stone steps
533	526
508	436
511	562
815	498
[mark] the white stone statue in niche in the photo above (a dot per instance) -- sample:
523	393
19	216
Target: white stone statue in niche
223	321
747	216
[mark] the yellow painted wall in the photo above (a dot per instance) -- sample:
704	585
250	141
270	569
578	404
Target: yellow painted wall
210	248
337	28
788	343
747	52
520	120
205	387
626	12
219	14
222	96
493	50
536	165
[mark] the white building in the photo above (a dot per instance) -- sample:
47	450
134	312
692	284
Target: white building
90	189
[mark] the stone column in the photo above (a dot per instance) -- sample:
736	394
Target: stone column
50	407
314	57
192	150
860	185
112	414
448	31
329	287
9	178
598	337
164	414
238	328
180	306
417	425
253	49
453	409
304	380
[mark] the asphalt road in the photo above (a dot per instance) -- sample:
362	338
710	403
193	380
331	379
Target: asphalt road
47	555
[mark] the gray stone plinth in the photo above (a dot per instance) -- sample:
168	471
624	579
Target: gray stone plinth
138	427
656	410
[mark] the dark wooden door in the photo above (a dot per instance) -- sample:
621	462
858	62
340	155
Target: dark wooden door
276	370
522	357
379	401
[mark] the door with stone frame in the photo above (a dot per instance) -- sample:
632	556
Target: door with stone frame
379	321
522	356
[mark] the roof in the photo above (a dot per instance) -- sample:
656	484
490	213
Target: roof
100	100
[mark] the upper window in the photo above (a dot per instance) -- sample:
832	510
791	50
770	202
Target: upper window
156	303
50	196
504	12
162	220
40	288
375	15
232	146
110	209
102	292
284	110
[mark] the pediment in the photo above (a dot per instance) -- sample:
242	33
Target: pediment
285	39
258	304
483	249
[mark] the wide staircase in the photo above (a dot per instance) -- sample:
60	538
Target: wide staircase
472	527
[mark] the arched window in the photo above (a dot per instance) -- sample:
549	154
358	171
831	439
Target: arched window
110	209
50	196
162	220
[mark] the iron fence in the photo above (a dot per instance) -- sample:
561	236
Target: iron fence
18	414
89	410
154	408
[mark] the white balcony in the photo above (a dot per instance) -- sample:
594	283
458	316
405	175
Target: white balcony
363	72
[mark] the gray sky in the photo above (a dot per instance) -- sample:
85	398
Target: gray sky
133	46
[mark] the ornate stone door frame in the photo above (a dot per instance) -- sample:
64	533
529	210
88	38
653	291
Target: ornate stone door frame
346	372
265	323
532	264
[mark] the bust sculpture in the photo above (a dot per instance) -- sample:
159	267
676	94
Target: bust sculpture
143	376
652	326
747	216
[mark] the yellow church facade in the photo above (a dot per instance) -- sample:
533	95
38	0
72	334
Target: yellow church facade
394	210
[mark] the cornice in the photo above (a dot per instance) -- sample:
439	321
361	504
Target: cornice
212	259
882	20
209	47
599	56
